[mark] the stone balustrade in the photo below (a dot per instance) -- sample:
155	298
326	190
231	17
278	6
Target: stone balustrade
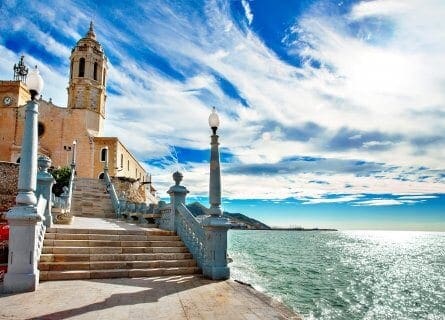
206	237
112	191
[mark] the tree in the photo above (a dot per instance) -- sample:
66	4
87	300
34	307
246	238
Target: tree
62	177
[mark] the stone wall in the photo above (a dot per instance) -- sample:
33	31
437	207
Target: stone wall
9	176
131	191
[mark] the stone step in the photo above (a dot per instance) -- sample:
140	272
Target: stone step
106	265
152	232
148	225
107	243
110	237
113	257
115	273
91	199
91	194
132	251
94	214
112	250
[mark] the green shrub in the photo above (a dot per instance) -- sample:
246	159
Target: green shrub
62	176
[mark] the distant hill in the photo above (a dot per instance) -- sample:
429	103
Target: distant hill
239	220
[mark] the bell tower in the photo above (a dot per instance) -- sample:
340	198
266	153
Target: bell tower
88	72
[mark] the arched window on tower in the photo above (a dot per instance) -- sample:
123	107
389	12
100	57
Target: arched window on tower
103	155
82	67
95	71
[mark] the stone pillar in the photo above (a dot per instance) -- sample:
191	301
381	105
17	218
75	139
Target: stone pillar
177	196
24	219
45	183
215	177
215	255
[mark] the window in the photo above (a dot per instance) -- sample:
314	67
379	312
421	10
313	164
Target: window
40	129
104	72
128	165
122	161
101	175
103	155
81	67
95	71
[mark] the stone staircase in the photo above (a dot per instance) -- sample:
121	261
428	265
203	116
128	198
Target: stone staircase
96	254
90	199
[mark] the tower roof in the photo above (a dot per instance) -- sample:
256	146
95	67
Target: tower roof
90	34
89	40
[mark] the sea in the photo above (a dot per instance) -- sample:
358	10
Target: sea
346	275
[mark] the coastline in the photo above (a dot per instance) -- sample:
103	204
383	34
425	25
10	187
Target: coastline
283	309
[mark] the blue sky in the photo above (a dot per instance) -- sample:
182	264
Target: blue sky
332	112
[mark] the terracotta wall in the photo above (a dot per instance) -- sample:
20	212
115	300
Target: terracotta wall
9	175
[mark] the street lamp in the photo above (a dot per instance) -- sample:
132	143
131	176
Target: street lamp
34	83
28	158
215	225
73	160
214	121
215	173
25	219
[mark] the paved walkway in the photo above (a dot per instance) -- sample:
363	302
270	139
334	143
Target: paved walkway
164	298
100	223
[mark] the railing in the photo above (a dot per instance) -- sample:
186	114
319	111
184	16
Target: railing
112	191
166	219
191	233
41	228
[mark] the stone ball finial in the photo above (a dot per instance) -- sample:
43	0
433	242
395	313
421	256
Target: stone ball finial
43	162
177	176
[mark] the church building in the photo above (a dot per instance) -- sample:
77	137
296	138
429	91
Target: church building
81	121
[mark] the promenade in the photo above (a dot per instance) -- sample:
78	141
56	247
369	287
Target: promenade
166	298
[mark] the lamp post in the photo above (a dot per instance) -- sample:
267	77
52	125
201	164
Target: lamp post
215	225
215	172
24	218
28	157
73	159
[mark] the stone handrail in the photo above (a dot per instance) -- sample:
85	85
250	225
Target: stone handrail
112	191
41	227
191	233
165	221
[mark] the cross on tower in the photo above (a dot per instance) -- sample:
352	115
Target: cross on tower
20	70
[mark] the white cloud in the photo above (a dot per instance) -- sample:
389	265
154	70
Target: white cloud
416	197
247	10
340	199
383	86
379	202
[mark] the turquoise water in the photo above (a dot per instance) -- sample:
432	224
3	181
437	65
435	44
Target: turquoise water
345	275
